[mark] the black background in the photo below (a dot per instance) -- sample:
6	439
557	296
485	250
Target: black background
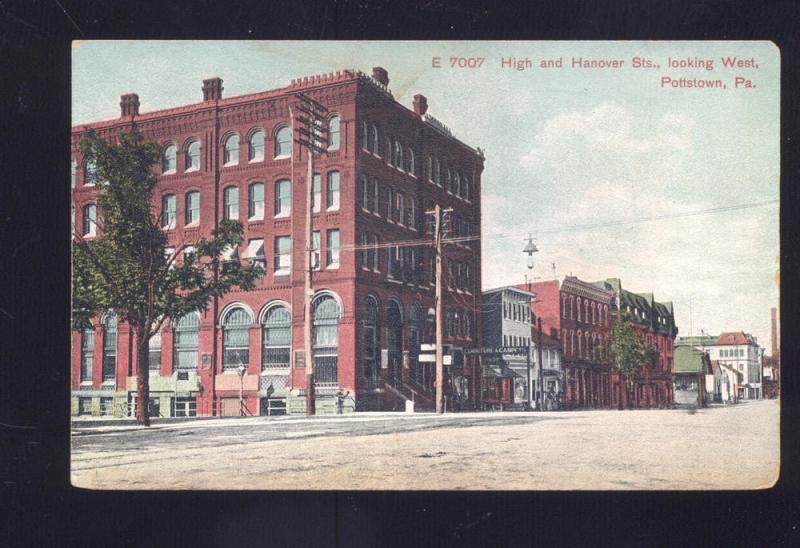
37	504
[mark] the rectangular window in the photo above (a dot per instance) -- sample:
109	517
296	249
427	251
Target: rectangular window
376	197
231	203
375	254
365	195
84	406
389	205
154	358
316	194
185	407
364	250
401	208
283	198
109	354
255	252
256	203
332	249
169	211
87	355
315	250
333	191
192	210
283	255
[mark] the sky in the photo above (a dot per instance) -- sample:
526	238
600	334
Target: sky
674	190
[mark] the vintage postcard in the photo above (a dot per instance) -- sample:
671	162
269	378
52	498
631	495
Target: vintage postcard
425	265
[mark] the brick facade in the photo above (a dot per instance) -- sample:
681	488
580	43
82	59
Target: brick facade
395	283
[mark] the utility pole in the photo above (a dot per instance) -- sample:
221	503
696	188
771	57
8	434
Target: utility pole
437	237
311	137
541	365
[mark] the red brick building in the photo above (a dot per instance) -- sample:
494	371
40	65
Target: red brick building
577	313
654	322
234	158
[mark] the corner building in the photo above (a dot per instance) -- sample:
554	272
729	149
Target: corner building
235	158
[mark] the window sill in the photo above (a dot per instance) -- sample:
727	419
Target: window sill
332	209
193	224
230	165
173	172
283	216
192	170
332	267
255	161
254	219
281	273
283	157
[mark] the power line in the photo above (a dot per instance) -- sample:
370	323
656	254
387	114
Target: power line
568	228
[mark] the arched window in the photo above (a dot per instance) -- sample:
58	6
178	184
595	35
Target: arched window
465	184
90	173
412	213
231	151
186	342
593	318
230	203
87	354
457	184
389	156
169	211
376	196
398	154
169	159
109	347
430	169
277	337
326	340
236	340
580	343
369	328
586	311
411	167
333	133
283	143
467	325
255	151
437	174
375	140
90	220
192	156
563	306
255	206
571	307
448	180
73	173
579	309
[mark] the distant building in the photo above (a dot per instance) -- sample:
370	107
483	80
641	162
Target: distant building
691	368
740	351
726	383
577	314
655	324
508	321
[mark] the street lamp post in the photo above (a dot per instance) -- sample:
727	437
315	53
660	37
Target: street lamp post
241	369
529	250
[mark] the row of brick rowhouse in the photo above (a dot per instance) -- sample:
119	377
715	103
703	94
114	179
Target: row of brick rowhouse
235	158
581	316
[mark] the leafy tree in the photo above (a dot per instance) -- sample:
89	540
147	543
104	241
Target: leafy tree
630	353
126	267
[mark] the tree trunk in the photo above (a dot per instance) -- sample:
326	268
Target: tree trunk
142	378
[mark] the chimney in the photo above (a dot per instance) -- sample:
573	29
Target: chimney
212	89
129	105
380	74
420	104
775	348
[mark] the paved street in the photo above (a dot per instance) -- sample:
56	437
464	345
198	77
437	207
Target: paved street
733	447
